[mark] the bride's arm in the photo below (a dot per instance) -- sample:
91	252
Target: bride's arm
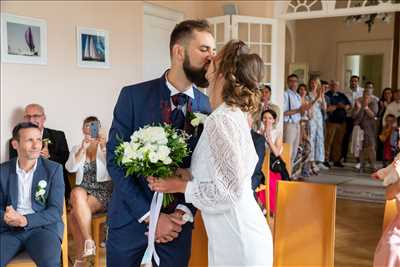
225	186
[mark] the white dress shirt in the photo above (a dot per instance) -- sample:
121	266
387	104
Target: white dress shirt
190	93
24	203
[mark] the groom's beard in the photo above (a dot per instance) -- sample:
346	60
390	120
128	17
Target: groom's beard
195	75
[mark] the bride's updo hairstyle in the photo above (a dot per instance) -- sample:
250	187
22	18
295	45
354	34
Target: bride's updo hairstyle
242	72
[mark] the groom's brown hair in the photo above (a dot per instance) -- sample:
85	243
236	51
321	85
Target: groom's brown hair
184	30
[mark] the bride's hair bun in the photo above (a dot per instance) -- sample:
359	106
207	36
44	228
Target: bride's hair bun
243	73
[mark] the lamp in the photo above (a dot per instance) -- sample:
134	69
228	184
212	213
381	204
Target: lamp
368	19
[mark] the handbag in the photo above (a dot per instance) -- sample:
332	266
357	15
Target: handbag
278	165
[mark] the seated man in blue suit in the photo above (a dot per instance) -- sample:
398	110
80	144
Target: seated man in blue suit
164	100
31	201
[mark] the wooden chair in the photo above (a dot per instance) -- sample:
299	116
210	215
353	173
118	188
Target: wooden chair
24	260
304	224
287	157
390	212
265	170
98	220
199	255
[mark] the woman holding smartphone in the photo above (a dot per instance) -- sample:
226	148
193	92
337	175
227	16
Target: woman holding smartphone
93	186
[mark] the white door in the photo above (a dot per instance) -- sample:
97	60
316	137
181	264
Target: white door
158	24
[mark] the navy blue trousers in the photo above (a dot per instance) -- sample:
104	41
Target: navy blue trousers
44	246
126	246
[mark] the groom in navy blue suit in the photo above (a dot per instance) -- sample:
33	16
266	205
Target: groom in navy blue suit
167	99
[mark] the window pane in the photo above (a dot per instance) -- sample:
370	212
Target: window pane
267	74
255	48
220	32
266	53
255	33
243	33
266	33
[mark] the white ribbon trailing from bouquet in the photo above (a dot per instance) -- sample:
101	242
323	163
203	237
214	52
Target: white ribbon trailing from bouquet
151	252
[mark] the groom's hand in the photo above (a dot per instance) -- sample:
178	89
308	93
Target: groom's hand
167	230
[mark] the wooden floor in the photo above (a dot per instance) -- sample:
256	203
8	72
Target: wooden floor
358	228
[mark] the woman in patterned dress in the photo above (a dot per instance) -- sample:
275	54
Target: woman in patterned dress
93	188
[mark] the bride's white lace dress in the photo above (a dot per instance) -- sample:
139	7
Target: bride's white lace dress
222	165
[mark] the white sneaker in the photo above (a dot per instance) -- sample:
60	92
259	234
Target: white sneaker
357	166
321	166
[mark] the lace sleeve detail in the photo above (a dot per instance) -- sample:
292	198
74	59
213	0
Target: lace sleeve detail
225	186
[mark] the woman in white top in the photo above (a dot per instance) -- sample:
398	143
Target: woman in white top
274	142
93	190
223	163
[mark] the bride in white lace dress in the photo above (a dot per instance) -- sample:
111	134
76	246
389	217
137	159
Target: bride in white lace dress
223	163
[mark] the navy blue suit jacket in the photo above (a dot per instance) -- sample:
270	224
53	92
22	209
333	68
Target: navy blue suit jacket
259	144
46	215
139	105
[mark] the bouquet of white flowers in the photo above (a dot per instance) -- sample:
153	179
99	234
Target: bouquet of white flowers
153	151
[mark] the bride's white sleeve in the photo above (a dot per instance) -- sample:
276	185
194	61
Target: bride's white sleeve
225	186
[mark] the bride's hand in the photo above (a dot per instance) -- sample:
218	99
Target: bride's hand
172	184
184	174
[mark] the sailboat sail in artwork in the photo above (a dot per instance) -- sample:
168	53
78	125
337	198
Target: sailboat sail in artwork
30	43
93	49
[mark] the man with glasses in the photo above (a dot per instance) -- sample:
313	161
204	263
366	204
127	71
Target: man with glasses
292	110
55	145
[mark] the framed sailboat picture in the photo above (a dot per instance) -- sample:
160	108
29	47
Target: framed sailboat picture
93	48
24	40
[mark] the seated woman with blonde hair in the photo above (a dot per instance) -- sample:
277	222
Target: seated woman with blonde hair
93	186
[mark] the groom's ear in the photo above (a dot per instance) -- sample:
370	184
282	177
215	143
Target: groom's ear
178	52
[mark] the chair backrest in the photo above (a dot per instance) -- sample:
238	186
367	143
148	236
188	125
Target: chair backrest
24	260
199	255
304	232
287	157
390	212
265	170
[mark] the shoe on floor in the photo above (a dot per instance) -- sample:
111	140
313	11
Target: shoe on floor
338	164
322	166
357	166
326	164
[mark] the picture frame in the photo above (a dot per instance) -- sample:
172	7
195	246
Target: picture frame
301	70
23	39
93	50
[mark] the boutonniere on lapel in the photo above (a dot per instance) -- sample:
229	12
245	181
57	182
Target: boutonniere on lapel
46	142
40	191
196	118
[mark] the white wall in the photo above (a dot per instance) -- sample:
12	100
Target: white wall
318	41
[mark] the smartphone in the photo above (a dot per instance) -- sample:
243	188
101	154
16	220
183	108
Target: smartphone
94	129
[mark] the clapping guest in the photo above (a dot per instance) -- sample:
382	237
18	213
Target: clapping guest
364	114
384	101
94	186
274	142
385	137
316	96
301	166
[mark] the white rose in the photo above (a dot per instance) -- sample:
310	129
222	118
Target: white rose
167	160
42	184
195	122
163	151
153	157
